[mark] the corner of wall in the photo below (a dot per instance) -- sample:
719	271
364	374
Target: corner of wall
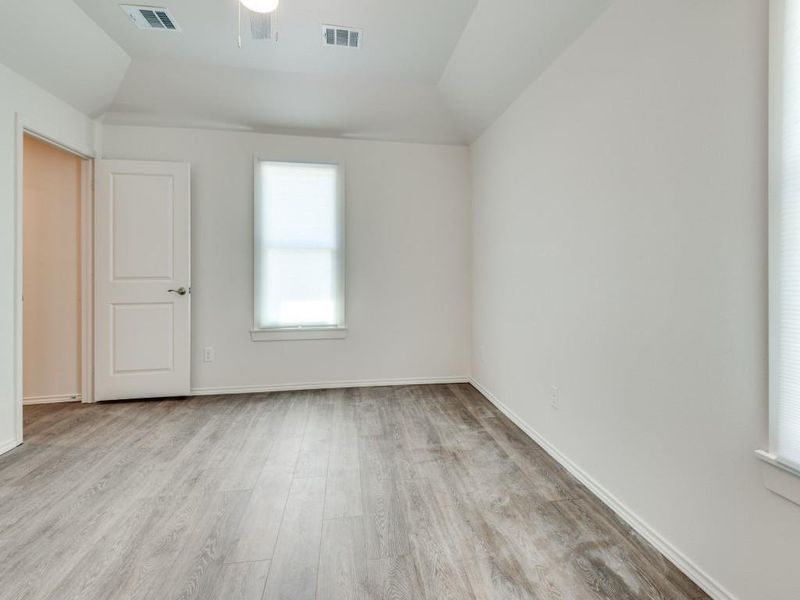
97	130
9	445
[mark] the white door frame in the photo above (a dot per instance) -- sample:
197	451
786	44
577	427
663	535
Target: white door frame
23	126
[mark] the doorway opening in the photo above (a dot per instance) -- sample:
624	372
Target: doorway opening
56	280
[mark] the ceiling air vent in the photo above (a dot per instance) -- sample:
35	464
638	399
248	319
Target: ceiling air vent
345	37
150	17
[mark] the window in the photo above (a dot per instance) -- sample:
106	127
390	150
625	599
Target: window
299	250
784	251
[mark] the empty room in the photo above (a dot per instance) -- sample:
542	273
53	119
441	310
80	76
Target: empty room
400	300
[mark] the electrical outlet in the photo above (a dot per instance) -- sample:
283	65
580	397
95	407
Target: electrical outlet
208	354
554	399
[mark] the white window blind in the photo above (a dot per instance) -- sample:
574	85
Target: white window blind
299	253
785	232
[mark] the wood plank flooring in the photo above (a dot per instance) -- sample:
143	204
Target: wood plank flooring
419	492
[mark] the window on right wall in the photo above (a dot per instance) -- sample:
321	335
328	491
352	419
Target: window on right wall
783	457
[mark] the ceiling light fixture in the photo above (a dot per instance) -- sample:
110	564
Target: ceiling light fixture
260	6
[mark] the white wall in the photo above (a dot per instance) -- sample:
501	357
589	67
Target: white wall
51	272
408	243
48	115
620	242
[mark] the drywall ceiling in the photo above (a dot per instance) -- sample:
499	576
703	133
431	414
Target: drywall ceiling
506	45
408	39
57	46
181	94
431	71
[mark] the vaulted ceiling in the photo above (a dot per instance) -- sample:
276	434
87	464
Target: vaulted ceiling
58	46
432	71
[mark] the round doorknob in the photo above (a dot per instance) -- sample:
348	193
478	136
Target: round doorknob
181	291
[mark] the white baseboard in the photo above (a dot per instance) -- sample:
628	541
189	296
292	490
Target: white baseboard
323	385
51	399
695	573
9	445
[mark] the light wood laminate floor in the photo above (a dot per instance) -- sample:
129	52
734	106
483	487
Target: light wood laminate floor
380	493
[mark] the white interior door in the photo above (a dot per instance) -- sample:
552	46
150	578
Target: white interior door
142	279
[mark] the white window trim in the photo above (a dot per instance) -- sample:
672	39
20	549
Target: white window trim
283	334
302	332
777	476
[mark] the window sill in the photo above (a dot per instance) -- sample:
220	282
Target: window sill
779	478
298	333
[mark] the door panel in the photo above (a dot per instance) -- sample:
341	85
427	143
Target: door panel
142	203
141	336
142	262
